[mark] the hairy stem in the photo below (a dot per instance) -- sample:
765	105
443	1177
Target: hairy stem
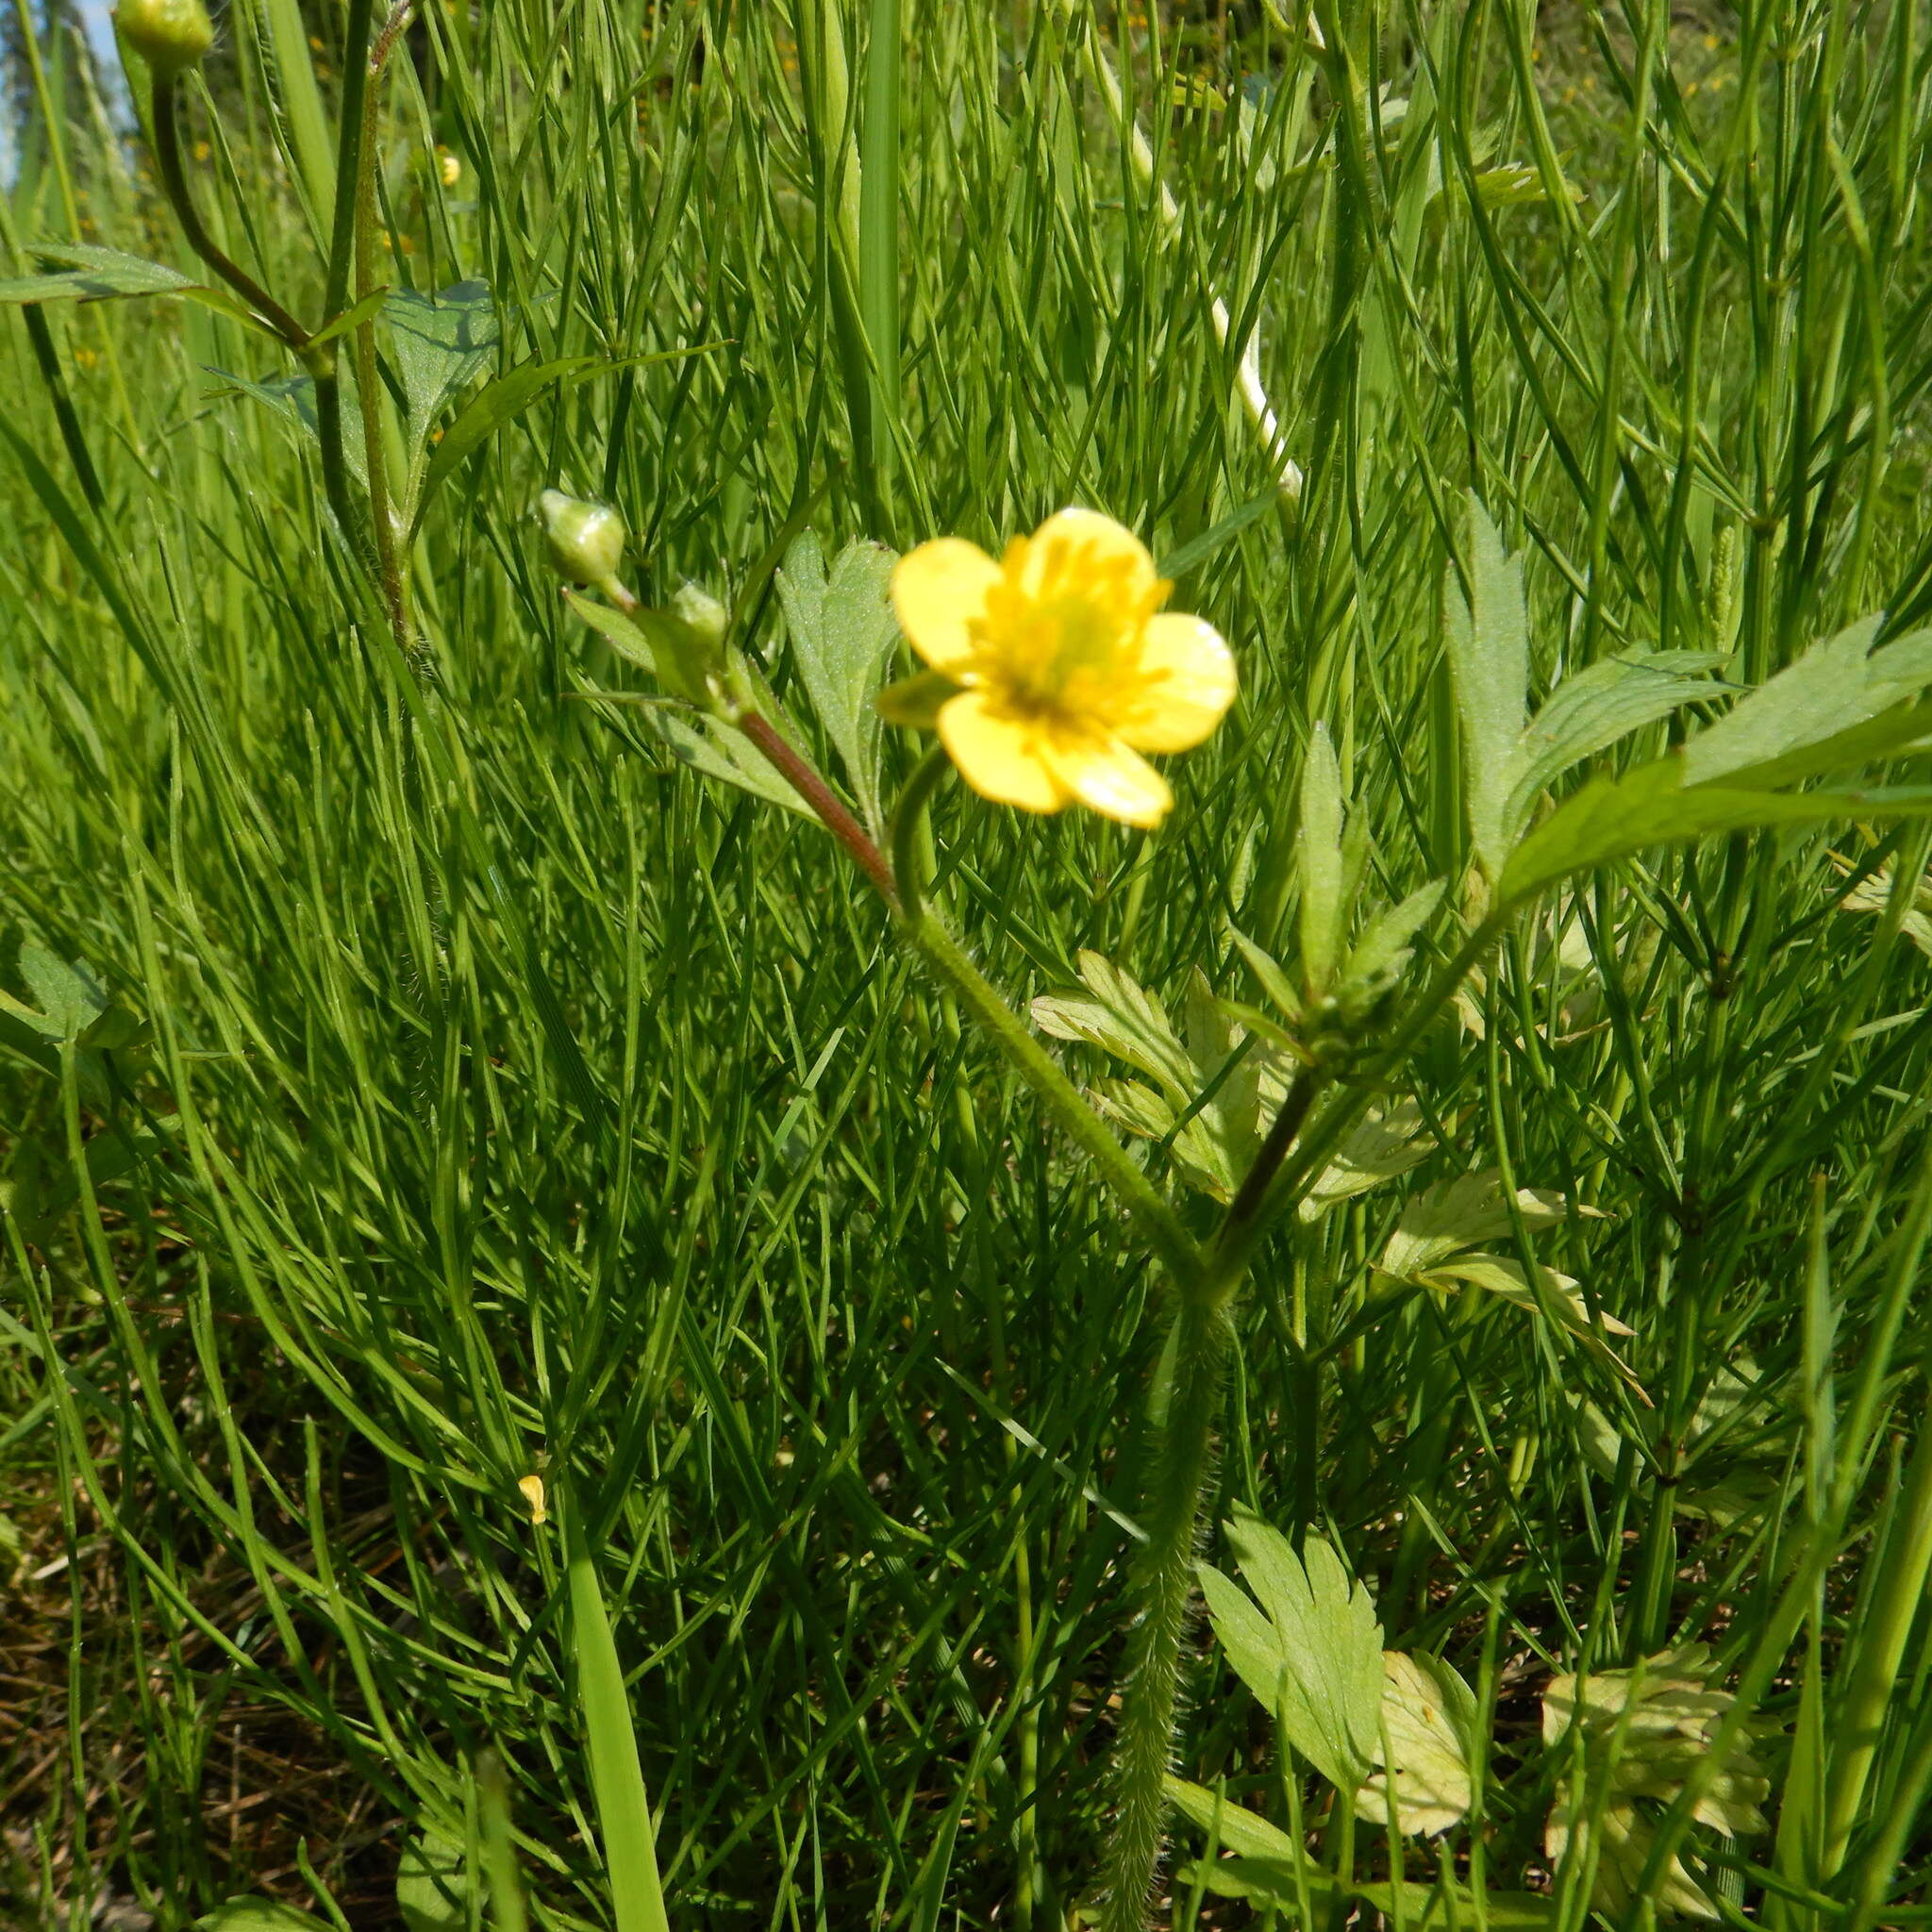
342	247
1187	1400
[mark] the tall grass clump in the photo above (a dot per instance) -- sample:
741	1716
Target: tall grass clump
677	1247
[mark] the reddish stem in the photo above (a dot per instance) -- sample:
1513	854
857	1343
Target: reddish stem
819	796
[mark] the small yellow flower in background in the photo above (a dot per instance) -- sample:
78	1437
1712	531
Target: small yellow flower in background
1058	666
532	1487
448	167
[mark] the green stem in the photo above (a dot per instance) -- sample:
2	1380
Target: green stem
1163	1587
1187	1401
1057	1095
341	249
389	563
1187	1404
878	231
1236	1231
175	185
342	254
1857	1725
908	816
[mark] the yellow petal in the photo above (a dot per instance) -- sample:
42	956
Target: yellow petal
936	590
1089	545
1187	682
1001	758
1102	772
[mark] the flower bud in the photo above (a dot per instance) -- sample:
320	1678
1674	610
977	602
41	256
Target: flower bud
170	35
586	540
688	637
701	614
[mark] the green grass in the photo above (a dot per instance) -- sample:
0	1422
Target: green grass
507	1098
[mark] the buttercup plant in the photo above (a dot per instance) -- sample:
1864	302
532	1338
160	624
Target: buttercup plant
467	1283
1048	673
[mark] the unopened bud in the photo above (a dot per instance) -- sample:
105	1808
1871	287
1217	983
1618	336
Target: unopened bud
586	540
701	614
170	35
687	637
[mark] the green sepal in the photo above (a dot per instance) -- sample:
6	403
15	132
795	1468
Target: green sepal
915	701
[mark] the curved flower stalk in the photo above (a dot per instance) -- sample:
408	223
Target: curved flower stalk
170	38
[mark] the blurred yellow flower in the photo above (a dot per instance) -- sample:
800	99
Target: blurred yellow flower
448	167
1057	667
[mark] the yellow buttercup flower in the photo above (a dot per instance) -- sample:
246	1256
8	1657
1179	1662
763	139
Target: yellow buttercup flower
1058	666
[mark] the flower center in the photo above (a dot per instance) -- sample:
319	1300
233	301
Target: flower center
1065	652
